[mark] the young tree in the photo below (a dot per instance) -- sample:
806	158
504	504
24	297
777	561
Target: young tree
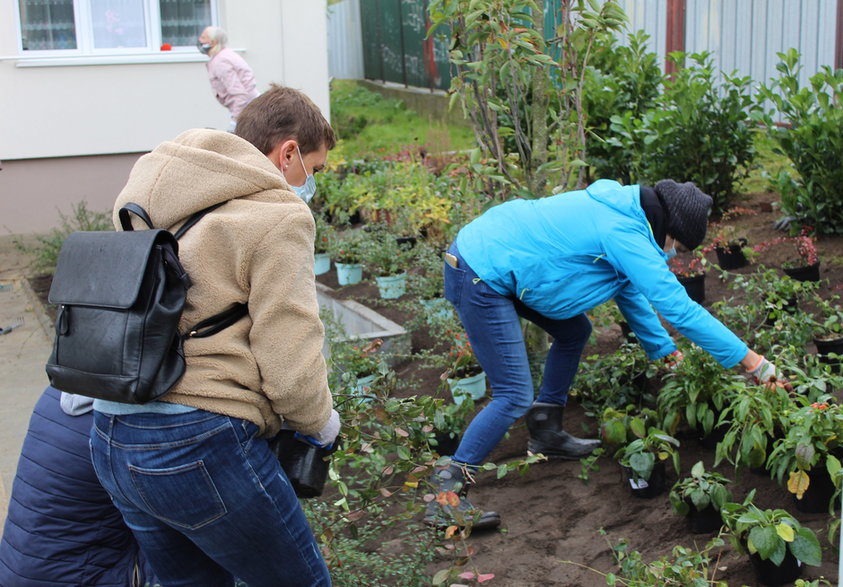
519	74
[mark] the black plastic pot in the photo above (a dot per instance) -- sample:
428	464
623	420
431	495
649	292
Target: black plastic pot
791	306
652	487
446	445
732	257
695	286
410	241
704	521
769	574
817	497
824	347
305	465
806	273
717	434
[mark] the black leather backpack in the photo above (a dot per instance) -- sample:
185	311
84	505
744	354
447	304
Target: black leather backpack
120	297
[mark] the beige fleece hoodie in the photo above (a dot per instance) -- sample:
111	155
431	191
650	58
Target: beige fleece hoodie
256	249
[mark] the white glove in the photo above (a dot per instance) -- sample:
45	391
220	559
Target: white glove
764	372
329	432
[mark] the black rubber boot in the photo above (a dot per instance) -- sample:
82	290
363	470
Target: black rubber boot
463	514
544	421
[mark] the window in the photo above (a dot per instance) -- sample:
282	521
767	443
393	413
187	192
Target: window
97	26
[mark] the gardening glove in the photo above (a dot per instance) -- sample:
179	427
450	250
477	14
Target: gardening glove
325	437
766	373
674	359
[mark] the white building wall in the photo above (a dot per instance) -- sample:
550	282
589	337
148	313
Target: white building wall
88	106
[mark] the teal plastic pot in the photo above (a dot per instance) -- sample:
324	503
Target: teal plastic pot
473	387
436	309
321	263
349	273
392	286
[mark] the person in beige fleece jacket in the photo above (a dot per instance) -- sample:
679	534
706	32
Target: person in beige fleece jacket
192	473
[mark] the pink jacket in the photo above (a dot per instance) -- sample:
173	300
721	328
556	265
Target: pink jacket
232	81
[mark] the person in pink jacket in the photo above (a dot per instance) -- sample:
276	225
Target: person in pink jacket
231	77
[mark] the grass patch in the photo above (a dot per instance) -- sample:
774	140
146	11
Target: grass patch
371	126
767	164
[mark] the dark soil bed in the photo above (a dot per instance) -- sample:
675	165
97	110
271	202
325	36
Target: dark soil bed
557	529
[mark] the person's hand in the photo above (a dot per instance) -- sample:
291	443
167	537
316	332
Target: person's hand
766	373
674	359
325	437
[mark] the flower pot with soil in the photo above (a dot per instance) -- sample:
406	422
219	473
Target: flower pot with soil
691	275
642	461
768	537
731	255
473	386
346	250
700	497
325	233
807	452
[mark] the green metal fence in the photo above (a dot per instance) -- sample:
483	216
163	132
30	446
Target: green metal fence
395	48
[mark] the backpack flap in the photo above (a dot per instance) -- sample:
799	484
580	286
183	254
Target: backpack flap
89	262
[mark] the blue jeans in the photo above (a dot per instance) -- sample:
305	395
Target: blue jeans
492	324
206	500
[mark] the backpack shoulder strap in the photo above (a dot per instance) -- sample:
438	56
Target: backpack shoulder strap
194	219
126	219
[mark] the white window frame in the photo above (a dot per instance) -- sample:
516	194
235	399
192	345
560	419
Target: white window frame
86	54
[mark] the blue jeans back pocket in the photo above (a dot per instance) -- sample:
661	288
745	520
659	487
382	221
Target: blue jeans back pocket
187	492
454	278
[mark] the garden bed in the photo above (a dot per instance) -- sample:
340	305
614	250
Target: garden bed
553	522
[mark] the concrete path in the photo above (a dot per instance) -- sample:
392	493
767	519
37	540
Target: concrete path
23	353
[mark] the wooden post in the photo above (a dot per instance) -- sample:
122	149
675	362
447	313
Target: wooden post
675	37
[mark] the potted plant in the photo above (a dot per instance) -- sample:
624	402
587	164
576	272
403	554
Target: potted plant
643	462
697	391
828	333
347	252
449	420
700	497
322	244
801	261
427	282
813	434
465	376
691	275
619	427
754	420
731	249
359	364
776	542
387	260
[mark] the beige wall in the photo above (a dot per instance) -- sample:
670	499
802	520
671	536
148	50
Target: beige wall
94	108
54	117
34	191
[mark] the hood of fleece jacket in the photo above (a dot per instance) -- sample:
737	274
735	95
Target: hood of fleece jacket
624	199
197	169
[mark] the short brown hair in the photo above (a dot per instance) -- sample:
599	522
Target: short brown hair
280	114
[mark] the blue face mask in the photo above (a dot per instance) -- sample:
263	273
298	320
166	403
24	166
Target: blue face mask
308	189
671	253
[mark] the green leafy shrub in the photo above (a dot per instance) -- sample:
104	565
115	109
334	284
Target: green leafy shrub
700	131
810	190
621	85
45	252
685	567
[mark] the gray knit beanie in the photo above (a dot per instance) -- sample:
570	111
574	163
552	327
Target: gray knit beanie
686	211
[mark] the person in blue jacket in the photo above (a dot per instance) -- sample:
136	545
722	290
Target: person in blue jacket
61	527
551	260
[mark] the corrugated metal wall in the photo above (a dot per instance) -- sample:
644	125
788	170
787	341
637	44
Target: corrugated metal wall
345	42
744	35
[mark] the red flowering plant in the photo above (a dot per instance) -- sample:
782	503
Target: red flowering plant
814	432
694	267
347	247
800	251
461	359
723	234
